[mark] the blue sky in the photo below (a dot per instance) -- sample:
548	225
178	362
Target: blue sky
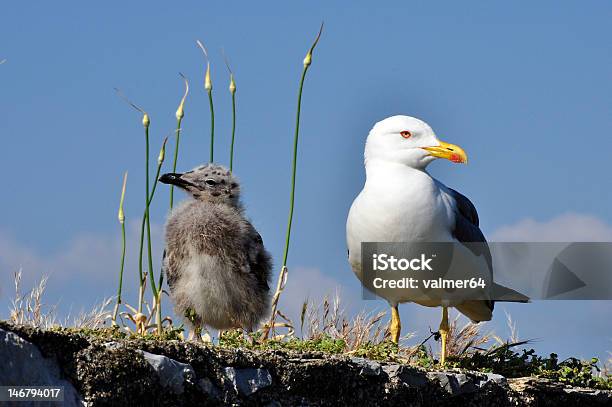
524	88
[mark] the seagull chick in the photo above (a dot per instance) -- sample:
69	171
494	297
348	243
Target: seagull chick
216	264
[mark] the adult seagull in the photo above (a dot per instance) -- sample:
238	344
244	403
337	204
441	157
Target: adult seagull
401	202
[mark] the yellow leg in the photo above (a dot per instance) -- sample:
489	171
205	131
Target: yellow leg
444	334
396	326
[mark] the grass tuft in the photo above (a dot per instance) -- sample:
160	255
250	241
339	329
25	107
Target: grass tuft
121	218
28	308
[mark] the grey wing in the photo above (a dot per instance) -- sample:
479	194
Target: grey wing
467	232
170	266
259	260
466	228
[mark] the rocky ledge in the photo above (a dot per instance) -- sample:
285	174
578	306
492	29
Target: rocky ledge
99	372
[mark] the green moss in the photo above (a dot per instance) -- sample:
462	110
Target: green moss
509	363
113	333
322	344
503	360
174	334
603	382
574	372
235	339
383	351
423	358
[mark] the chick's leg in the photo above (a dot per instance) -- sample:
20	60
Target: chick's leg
196	333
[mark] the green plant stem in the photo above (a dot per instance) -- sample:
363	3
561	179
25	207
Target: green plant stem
294	168
141	291
156	292
282	277
212	126
145	218
146	223
120	272
158	318
283	273
122	262
150	254
141	252
161	272
146	215
233	131
176	150
147	174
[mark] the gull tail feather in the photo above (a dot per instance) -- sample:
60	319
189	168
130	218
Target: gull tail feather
482	310
505	294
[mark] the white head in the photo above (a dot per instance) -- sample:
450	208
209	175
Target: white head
409	141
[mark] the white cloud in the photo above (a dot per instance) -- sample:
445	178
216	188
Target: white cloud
570	227
82	272
312	284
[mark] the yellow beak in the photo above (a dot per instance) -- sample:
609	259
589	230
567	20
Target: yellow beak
449	151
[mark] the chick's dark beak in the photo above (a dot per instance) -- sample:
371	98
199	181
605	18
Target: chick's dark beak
174	178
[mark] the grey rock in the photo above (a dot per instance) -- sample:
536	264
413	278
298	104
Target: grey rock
493	377
172	373
24	365
453	383
112	345
407	375
460	383
443	379
208	387
465	384
392	370
247	381
368	367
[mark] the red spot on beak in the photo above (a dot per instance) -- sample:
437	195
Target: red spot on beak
456	158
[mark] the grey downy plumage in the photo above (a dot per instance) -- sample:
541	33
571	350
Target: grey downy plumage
216	265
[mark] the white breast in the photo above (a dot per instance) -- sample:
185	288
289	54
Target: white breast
401	204
397	204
